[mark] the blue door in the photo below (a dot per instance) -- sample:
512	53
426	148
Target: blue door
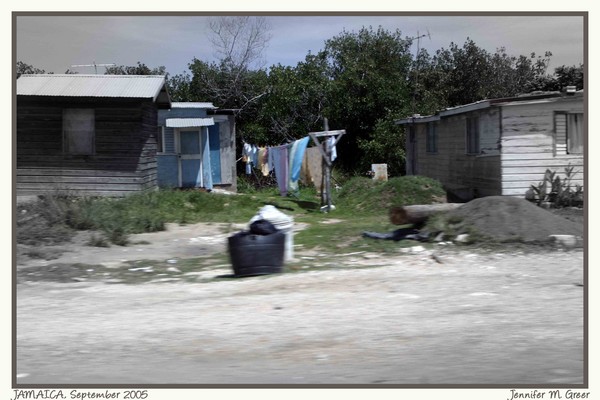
190	157
215	153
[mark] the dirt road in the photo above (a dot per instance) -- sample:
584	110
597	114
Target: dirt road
464	317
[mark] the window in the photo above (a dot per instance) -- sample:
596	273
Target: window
78	131
431	140
159	140
472	135
568	130
412	151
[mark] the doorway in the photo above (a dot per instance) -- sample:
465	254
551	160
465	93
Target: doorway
193	158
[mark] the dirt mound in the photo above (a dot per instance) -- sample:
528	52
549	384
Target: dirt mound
506	219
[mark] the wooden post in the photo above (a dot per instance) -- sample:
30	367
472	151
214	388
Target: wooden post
418	213
327	166
326	148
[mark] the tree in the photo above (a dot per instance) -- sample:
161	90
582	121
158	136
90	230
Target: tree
531	73
238	43
386	145
428	80
368	73
296	98
463	75
469	75
24	69
569	76
139	69
214	82
180	87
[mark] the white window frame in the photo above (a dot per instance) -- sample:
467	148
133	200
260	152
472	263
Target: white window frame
564	144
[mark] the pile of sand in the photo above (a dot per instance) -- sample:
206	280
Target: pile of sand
504	218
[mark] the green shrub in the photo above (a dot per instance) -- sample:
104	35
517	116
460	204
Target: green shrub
555	191
367	195
118	236
98	241
43	222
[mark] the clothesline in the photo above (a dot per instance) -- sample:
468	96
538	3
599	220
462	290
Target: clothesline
287	161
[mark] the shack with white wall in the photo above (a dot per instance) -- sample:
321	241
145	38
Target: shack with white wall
499	146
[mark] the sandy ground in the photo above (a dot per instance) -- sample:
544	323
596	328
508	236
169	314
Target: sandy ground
176	242
442	316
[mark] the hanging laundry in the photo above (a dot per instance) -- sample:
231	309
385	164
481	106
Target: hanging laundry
254	155
331	145
247	157
207	181
304	171
278	157
271	157
246	152
296	156
291	150
263	161
312	165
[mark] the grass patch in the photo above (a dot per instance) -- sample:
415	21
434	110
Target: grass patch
362	204
366	195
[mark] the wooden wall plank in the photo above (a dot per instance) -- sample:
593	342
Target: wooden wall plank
548	163
124	159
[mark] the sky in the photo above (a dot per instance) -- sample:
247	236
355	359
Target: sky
55	43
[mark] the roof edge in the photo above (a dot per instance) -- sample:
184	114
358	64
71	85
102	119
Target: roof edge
478	105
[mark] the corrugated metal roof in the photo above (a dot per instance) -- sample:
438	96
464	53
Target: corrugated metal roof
417	119
192	104
79	85
529	98
189	122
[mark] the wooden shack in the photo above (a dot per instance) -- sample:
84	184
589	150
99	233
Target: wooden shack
196	147
499	146
87	134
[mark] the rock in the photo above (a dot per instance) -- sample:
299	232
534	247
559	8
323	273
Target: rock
462	238
437	259
565	240
413	249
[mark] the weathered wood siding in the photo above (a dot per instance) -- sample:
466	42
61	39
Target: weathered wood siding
227	146
528	144
451	165
168	171
168	162
124	160
147	161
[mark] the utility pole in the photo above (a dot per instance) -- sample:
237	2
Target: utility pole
416	88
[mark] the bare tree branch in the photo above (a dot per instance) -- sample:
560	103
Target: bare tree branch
239	41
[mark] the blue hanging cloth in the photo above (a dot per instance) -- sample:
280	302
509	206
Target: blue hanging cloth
296	156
